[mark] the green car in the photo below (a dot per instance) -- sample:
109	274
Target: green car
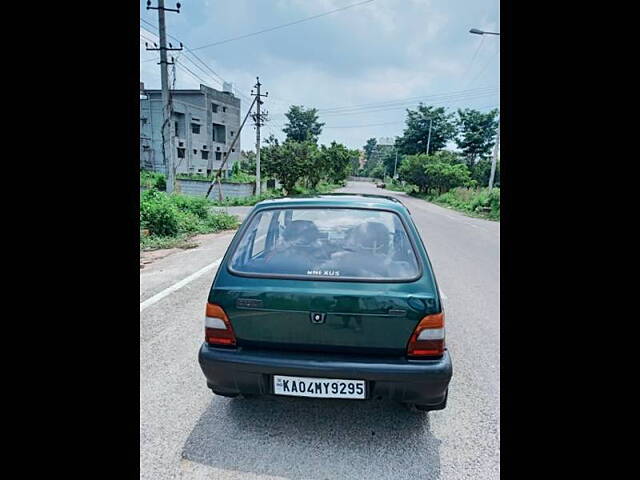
329	296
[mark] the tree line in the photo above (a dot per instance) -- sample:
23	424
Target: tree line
421	158
300	161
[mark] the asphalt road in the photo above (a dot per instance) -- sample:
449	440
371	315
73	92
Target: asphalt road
187	432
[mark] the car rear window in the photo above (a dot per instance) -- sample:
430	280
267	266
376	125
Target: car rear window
327	244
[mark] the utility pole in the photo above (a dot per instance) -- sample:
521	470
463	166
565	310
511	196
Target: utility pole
259	119
429	139
395	166
164	80
495	158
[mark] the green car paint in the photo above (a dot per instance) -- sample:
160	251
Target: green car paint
363	316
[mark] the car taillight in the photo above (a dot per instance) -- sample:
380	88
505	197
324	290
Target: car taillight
217	328
428	337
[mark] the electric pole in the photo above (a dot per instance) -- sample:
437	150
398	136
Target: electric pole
429	139
259	119
395	166
495	158
164	80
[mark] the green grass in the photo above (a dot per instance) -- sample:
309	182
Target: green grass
156	243
479	203
152	180
396	186
171	220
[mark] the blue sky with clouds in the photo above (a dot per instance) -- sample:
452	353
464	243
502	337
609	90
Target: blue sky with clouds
361	67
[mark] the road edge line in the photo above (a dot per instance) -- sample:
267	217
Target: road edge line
178	285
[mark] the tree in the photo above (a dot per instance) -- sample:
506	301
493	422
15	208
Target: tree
290	162
248	162
411	170
476	134
416	134
441	171
445	176
481	172
336	161
447	156
355	163
377	171
369	148
387	156
302	125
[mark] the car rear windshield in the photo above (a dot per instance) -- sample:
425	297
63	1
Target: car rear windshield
327	244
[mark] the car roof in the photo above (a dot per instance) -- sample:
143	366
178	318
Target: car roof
345	200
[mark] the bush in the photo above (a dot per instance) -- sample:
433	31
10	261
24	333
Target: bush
153	180
238	176
473	201
198	206
221	221
158	214
171	219
486	198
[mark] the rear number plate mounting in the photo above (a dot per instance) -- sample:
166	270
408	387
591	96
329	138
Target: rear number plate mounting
319	387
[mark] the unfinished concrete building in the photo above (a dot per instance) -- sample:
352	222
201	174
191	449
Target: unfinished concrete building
203	124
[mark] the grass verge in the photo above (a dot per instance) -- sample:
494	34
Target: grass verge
478	203
168	221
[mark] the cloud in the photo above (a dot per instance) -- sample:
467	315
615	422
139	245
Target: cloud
380	51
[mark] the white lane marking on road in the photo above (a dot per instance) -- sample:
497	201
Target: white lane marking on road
176	286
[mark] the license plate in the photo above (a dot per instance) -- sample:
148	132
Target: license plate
319	387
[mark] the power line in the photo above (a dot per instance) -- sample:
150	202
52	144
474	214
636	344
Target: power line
474	57
221	80
181	64
281	26
188	70
217	77
484	68
404	105
435	102
413	104
392	123
190	51
367	125
403	100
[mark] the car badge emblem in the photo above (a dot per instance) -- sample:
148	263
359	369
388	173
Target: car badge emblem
318	317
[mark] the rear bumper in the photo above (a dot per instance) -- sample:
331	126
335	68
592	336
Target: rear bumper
423	382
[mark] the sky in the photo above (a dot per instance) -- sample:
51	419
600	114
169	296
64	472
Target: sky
361	67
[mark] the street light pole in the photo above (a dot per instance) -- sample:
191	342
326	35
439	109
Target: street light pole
429	138
495	148
495	158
